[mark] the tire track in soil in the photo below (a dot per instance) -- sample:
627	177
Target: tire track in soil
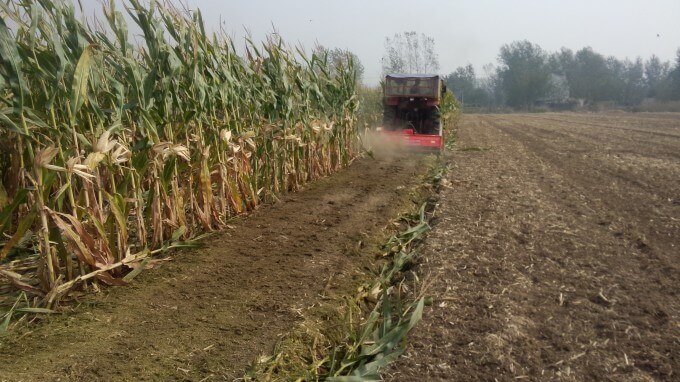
608	126
559	146
596	192
211	312
615	138
541	272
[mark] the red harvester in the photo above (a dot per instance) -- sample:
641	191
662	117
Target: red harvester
411	111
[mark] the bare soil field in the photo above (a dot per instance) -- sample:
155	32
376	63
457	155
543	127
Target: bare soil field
554	256
556	253
210	313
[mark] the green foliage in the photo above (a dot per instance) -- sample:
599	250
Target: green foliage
381	338
524	73
527	76
370	109
656	73
449	104
465	86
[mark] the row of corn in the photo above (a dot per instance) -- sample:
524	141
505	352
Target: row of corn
113	145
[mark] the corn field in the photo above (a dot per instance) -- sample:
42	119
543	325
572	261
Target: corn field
114	147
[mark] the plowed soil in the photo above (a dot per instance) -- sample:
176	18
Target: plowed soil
556	254
209	313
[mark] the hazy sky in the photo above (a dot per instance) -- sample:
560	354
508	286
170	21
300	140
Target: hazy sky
464	31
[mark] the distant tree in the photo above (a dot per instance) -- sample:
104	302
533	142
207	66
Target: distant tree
558	88
465	86
410	52
338	58
591	76
561	63
656	73
461	81
614	83
634	87
524	73
491	83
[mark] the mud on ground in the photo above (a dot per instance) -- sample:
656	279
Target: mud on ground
210	313
556	253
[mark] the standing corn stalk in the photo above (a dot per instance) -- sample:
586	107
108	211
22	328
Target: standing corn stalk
117	151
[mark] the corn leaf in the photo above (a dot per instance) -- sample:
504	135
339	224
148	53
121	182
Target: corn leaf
8	210
36	310
24	224
11	61
117	203
80	80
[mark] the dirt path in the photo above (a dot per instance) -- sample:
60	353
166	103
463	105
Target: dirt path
211	312
556	253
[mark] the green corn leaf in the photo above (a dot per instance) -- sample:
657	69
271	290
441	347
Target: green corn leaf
24	224
417	314
80	79
3	83
6	213
7	123
179	232
135	272
8	317
36	14
11	61
352	378
34	119
119	210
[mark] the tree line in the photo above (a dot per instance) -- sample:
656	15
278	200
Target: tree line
527	76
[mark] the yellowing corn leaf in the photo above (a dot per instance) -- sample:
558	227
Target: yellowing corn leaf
251	143
81	242
117	204
93	159
73	167
104	143
225	135
167	149
248	134
4	199
160	147
44	156
15	279
181	151
120	155
81	250
235	199
110	280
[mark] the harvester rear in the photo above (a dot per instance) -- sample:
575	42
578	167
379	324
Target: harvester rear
411	116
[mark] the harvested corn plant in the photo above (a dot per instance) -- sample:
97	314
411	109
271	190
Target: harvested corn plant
112	151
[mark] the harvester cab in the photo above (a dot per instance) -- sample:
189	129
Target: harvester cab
411	110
